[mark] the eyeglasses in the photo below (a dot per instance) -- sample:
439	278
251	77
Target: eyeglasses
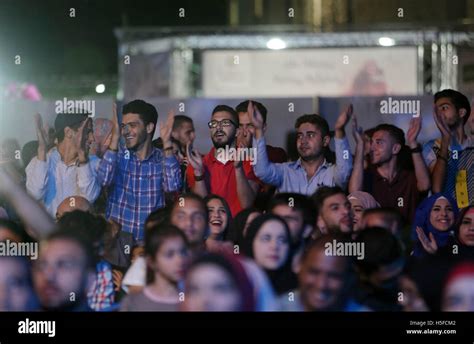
224	123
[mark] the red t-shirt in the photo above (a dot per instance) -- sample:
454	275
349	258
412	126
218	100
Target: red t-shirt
220	179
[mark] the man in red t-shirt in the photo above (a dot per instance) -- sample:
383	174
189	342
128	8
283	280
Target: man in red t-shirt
223	172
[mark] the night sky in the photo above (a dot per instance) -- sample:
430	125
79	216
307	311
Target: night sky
50	42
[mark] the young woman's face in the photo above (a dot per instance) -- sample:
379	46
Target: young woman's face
271	245
442	215
170	259
217	216
466	230
210	288
459	295
357	211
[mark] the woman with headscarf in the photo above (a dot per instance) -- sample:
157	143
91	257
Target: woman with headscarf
433	226
361	201
268	243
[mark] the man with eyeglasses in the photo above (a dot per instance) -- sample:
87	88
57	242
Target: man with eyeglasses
311	170
233	180
138	175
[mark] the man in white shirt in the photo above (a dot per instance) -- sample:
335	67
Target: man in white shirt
66	169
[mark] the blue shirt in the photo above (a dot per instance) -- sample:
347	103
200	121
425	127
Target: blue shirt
291	176
137	187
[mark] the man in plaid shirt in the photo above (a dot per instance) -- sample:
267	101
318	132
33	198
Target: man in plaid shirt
138	174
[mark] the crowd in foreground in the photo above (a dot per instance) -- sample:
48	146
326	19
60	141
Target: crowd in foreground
127	223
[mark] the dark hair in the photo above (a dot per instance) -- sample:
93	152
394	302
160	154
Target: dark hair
70	120
299	202
29	151
14	227
227	211
316	120
236	271
459	100
91	227
388	214
81	241
226	108
320	244
254	228
461	215
322	193
180	119
158	217
242	107
381	248
395	132
156	236
146	111
193	196
154	239
236	230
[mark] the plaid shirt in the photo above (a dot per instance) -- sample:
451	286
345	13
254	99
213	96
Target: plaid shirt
102	294
137	187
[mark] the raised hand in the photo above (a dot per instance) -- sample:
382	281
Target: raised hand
342	120
413	131
257	120
357	132
82	141
195	159
115	129
441	124
430	244
166	129
42	134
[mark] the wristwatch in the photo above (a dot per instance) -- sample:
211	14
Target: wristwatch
417	149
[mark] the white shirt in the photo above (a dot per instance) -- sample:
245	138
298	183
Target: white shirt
52	181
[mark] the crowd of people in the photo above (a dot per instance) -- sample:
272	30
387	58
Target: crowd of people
124	222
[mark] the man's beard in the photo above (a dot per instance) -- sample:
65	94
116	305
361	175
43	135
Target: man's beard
229	142
141	139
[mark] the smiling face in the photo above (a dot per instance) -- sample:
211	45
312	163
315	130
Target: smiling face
310	142
382	147
217	217
442	215
134	131
466	229
271	245
321	279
